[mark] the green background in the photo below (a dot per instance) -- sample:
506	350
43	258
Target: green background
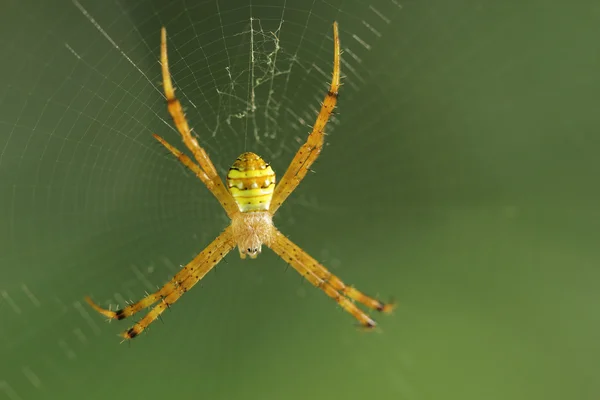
460	177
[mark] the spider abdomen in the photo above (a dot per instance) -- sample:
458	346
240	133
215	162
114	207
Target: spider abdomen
251	182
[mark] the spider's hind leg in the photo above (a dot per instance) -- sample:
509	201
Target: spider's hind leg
205	166
310	150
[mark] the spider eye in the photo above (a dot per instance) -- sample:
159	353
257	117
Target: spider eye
249	250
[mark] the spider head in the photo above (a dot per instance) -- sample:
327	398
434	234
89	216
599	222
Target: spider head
251	230
253	252
251	182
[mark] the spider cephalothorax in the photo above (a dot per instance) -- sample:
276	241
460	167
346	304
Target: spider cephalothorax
250	199
251	230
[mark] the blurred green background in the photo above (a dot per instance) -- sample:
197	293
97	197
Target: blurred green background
460	177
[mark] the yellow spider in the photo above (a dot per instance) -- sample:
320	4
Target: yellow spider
250	200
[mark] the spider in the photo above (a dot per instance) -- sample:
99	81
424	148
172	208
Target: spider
250	199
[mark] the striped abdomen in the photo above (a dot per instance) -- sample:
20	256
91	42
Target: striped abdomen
251	181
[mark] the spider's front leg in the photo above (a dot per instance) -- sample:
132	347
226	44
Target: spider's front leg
320	277
184	280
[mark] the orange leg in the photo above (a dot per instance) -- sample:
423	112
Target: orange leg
225	201
181	123
316	274
323	273
309	152
193	272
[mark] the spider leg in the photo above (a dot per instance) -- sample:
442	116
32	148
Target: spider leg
324	274
172	290
213	254
152	298
308	153
226	201
316	274
176	111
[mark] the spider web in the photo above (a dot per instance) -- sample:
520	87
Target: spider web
91	204
460	175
